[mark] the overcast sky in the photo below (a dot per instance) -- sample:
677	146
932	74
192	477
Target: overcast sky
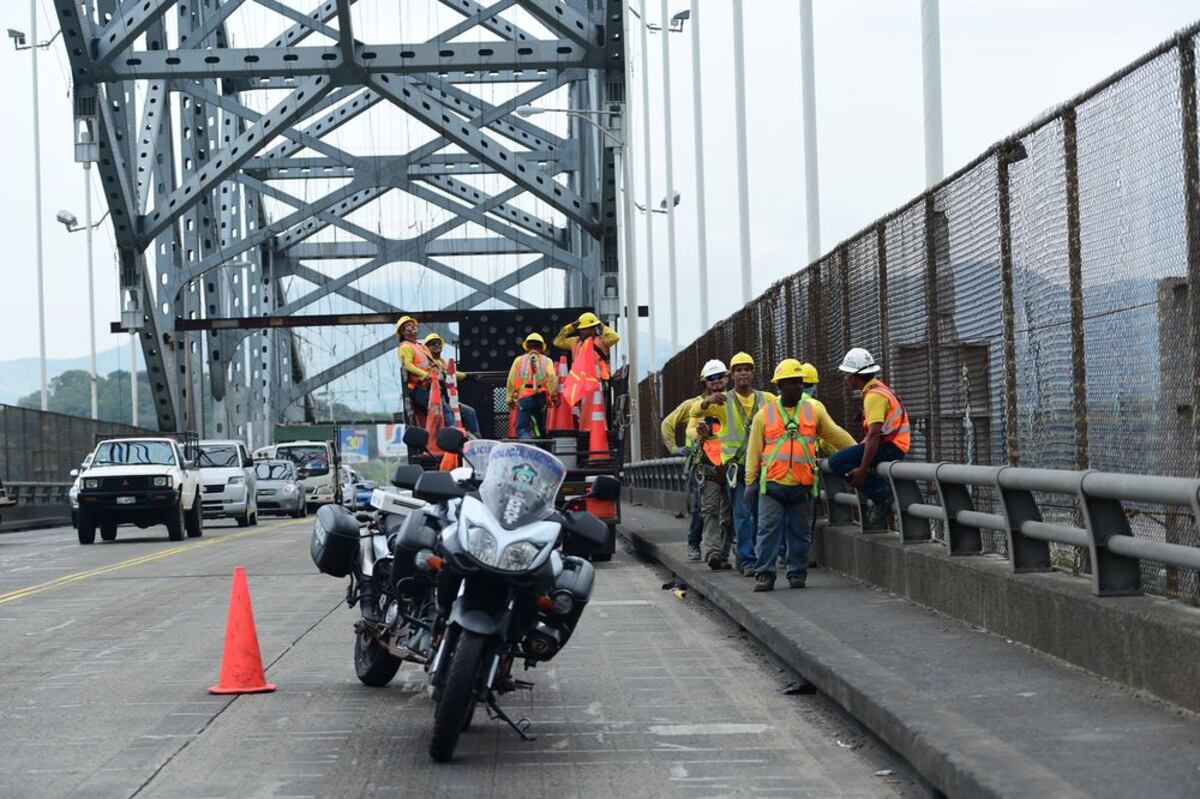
1003	63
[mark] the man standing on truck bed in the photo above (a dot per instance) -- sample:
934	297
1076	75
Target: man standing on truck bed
532	385
588	331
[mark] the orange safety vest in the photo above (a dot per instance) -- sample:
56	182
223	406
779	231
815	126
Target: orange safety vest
789	444
421	360
531	374
601	352
713	446
895	425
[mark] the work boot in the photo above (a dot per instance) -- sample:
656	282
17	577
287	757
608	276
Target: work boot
714	561
877	516
797	581
693	552
764	582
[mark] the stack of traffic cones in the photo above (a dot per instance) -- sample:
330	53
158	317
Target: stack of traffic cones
597	426
559	419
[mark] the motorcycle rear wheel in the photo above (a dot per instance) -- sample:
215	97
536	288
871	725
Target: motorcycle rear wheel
457	697
374	665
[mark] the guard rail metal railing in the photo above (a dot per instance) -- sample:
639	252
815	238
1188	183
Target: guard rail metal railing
1115	554
28	493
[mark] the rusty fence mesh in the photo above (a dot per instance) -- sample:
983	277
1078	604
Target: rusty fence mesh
1038	308
43	447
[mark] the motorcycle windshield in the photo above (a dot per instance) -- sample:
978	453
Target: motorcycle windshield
521	484
476	453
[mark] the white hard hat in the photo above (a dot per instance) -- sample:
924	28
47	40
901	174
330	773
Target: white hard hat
859	362
713	367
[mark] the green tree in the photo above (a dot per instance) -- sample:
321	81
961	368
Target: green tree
70	392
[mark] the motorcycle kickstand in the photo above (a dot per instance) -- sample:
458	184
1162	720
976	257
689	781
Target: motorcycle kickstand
519	727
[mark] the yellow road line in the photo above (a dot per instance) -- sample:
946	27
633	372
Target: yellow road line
67	579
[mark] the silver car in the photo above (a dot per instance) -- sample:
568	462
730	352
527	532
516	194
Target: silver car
279	488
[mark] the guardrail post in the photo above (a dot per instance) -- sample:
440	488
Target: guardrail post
836	484
1018	506
907	493
1112	575
961	539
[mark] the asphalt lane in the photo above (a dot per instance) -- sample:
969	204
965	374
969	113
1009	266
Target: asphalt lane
106	652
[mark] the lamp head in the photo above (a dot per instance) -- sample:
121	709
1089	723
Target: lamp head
67	218
528	110
17	36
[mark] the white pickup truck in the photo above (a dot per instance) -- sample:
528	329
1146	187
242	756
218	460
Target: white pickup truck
142	481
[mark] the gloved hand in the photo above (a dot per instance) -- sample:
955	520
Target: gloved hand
681	452
751	494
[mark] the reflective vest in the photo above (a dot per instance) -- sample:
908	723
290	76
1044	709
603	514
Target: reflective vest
737	426
601	352
895	429
789	445
421	359
531	374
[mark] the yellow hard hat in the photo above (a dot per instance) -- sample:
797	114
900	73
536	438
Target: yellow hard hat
741	359
535	338
402	321
788	368
431	338
587	319
809	373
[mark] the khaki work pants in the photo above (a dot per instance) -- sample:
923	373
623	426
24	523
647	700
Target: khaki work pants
714	508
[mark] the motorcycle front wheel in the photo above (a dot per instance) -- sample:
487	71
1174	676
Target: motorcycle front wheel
456	701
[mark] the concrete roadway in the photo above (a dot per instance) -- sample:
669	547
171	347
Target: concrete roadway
106	651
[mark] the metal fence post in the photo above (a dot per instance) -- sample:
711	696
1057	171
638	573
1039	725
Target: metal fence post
1191	186
932	330
1075	277
1007	154
885	339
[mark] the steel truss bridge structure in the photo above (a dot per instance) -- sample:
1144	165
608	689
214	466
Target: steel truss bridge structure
166	108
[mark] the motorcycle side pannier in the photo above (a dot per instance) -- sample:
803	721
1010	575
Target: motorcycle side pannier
334	544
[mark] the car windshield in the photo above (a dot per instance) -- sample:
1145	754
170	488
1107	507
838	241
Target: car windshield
315	459
274	470
521	483
134	452
217	456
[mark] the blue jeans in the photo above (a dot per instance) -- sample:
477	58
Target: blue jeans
420	398
745	521
875	488
784	512
470	419
529	409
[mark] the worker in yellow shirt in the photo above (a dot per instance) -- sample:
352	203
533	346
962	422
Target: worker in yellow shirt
733	411
434	343
587	330
886	436
781	469
416	365
704	438
669	431
532	386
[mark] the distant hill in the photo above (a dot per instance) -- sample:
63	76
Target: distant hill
20	376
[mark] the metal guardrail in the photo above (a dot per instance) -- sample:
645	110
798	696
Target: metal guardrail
1115	554
28	493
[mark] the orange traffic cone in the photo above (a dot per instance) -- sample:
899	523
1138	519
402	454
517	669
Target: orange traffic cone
560	419
241	663
598	428
512	422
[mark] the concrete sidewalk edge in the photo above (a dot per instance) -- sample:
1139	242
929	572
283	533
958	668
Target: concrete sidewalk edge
956	756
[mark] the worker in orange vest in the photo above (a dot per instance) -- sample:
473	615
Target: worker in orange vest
434	343
782	472
532	385
887	436
587	331
706	436
416	363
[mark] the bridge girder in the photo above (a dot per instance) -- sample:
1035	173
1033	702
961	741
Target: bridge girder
225	169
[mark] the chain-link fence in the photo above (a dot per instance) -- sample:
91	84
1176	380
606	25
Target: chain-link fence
43	447
1040	307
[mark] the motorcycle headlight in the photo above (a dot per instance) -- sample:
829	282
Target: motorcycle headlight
481	545
517	557
91	483
163	481
236	481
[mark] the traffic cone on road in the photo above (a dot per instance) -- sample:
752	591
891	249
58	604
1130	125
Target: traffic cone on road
560	419
241	663
597	428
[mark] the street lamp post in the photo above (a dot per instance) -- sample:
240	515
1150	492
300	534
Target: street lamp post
18	40
672	276
698	132
623	168
72	225
812	201
648	187
743	178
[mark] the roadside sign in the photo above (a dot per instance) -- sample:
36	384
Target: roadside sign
391	440
354	444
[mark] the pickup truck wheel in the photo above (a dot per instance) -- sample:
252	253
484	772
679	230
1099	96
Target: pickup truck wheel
108	532
194	521
174	521
243	520
86	529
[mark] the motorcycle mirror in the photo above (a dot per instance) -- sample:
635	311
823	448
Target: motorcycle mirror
416	437
587	527
406	477
606	488
437	487
451	439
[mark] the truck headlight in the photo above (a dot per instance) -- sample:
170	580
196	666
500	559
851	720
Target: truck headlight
481	545
165	481
237	481
518	556
91	483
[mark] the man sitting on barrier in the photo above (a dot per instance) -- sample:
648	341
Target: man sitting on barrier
434	343
886	436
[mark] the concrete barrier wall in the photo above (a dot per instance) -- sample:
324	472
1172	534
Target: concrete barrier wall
29	517
1145	642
